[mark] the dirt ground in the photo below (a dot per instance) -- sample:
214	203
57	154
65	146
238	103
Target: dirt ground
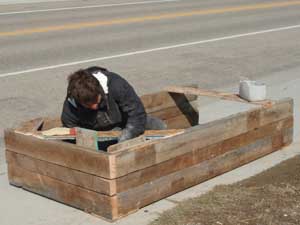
269	198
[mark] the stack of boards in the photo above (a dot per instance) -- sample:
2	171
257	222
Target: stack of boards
114	184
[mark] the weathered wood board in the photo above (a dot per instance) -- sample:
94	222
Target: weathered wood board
197	137
133	175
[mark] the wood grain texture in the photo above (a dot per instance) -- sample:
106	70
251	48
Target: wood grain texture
198	137
30	126
159	104
167	185
69	194
115	184
117	206
51	123
202	154
61	173
154	135
216	94
87	138
183	115
126	144
136	158
60	153
162	100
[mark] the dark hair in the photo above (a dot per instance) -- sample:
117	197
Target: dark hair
84	87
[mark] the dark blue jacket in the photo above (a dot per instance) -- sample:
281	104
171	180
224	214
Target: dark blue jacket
122	109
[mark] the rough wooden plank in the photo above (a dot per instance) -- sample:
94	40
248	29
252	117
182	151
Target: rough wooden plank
153	102
162	100
30	127
288	136
87	138
133	159
198	137
64	174
188	112
278	111
69	194
217	94
51	123
126	144
63	133
60	153
135	198
179	116
167	185
253	125
201	154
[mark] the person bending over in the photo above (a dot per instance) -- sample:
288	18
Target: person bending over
101	100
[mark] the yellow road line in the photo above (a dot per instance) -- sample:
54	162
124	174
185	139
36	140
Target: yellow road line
148	18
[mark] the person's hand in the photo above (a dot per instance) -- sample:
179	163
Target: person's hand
126	135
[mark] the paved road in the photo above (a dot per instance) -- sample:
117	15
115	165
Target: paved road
151	43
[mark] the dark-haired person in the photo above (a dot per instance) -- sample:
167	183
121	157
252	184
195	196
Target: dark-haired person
99	99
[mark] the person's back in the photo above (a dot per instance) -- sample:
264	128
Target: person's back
102	100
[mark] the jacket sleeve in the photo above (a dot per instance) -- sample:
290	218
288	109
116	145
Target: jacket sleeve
132	106
68	116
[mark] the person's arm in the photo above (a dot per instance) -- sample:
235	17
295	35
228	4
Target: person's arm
68	115
132	105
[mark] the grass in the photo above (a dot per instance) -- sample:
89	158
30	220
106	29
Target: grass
269	198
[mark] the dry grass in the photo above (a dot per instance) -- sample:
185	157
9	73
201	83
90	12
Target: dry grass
270	198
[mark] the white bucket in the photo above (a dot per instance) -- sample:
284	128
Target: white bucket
252	90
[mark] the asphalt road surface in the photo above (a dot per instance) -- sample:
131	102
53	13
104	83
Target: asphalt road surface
152	43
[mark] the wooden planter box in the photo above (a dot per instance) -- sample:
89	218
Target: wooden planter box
112	185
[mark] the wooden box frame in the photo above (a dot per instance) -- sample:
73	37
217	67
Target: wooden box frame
113	185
